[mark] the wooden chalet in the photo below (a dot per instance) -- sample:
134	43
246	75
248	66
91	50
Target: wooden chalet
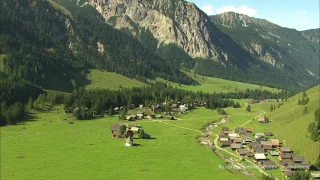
258	150
297	159
268	133
242	152
225	143
237	141
235	146
266	145
285	156
248	130
285	150
275	143
259	156
268	164
249	154
285	162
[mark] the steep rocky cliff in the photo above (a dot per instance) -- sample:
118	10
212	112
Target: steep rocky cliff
177	22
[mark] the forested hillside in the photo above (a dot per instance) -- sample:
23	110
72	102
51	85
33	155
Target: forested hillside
47	46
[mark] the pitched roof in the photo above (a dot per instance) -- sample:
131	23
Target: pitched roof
265	143
286	161
115	127
226	143
268	133
242	151
286	156
260	139
297	158
225	128
237	140
258	150
224	139
236	146
285	149
275	142
268	163
247	138
254	144
259	156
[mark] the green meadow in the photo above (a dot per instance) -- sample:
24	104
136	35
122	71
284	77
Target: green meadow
108	80
48	147
289	123
212	84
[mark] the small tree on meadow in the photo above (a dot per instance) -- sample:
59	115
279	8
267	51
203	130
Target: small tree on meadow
248	108
141	133
305	110
122	129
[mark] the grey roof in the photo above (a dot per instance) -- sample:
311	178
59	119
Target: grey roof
254	144
226	143
286	156
236	146
297	158
268	163
265	143
242	151
258	150
247	138
268	133
286	161
285	149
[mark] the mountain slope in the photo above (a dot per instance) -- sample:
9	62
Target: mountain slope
52	48
246	49
283	48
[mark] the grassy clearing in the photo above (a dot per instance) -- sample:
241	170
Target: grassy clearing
109	80
60	8
47	147
211	84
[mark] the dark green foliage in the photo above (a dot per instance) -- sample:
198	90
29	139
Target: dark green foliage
157	93
141	133
300	175
11	114
14	89
271	108
41	48
123	129
248	108
110	111
314	127
221	111
317	165
305	110
176	56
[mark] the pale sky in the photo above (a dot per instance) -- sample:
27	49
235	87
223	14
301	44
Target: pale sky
296	14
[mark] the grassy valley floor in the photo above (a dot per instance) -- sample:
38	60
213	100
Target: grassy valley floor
48	147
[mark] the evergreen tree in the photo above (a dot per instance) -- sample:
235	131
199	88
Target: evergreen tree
305	110
141	133
271	108
30	104
248	108
110	111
